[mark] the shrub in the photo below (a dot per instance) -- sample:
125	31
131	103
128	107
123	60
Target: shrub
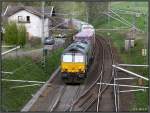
10	36
15	34
22	35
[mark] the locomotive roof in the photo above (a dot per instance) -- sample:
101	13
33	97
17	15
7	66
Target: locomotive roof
78	46
85	33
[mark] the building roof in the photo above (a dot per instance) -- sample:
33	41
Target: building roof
10	10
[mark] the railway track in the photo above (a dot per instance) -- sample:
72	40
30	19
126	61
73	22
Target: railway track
105	96
94	93
68	97
90	96
61	92
57	97
85	101
61	97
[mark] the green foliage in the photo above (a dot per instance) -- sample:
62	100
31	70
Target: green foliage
95	10
133	56
141	6
25	69
15	34
22	35
75	8
85	11
11	33
141	100
53	61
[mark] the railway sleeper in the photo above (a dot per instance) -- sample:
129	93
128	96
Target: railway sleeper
86	98
89	103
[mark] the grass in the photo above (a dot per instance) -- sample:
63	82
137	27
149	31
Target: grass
14	99
134	56
140	102
53	61
133	6
25	69
27	47
140	22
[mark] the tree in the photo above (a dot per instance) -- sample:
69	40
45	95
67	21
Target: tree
95	12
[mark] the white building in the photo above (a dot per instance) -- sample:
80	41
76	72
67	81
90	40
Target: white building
32	19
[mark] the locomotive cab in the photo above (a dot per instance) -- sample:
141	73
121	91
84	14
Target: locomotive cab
73	65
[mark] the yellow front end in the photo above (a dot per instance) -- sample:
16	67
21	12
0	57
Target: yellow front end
73	67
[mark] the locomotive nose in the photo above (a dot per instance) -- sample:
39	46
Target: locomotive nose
73	67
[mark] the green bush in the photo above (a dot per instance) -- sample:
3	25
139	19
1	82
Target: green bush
15	34
22	35
10	36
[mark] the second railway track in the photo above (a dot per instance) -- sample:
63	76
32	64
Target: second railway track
105	95
94	94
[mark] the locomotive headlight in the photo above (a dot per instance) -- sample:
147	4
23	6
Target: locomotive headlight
81	70
64	70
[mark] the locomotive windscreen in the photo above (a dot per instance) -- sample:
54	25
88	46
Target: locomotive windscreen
75	57
79	58
67	58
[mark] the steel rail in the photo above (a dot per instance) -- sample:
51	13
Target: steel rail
99	90
100	86
133	65
112	56
85	93
61	92
124	85
91	87
32	101
77	94
113	76
104	89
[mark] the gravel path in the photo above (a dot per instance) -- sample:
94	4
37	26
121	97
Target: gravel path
35	52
